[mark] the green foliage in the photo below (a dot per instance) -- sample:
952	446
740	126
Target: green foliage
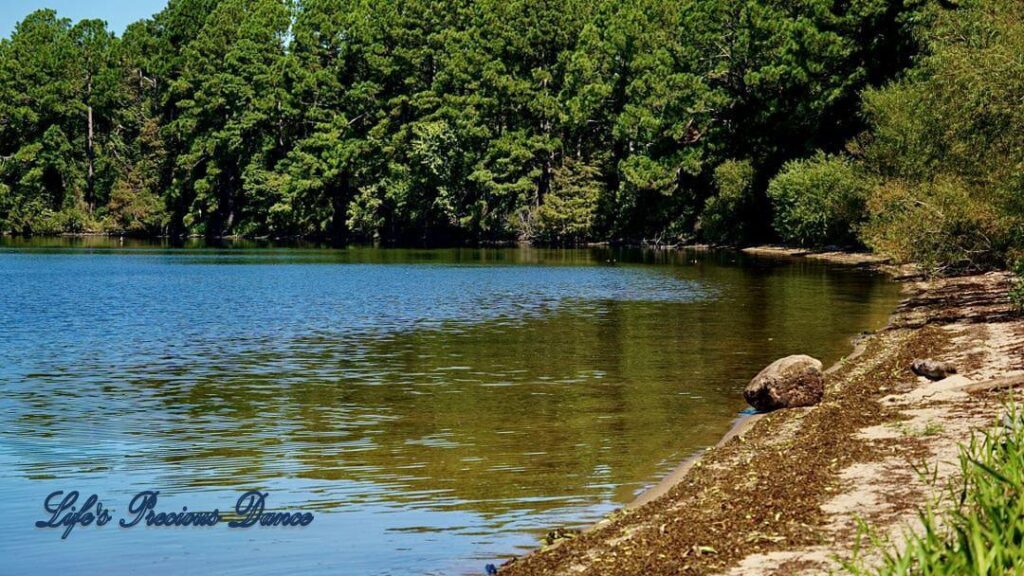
723	216
946	140
569	209
818	201
430	120
941	225
232	111
1017	290
38	90
980	533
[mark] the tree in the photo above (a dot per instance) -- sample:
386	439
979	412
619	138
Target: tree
38	111
434	121
946	143
233	111
569	211
724	214
99	83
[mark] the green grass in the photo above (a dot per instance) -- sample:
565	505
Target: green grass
980	530
1017	290
931	428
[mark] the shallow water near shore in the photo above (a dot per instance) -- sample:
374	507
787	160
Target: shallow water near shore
435	409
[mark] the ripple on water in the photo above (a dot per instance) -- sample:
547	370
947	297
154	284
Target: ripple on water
433	410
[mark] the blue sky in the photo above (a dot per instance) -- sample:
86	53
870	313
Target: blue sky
118	13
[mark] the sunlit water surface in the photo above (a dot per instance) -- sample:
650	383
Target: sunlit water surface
435	409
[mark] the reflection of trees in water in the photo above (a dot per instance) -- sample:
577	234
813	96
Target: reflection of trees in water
578	403
503	416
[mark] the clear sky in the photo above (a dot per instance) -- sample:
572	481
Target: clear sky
118	13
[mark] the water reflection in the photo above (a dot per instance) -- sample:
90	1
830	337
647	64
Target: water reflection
436	407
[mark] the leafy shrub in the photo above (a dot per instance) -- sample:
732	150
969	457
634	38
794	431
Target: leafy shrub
135	211
946	139
569	209
34	217
1017	291
722	219
7	203
940	225
818	201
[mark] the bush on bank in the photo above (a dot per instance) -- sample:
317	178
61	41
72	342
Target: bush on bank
947	143
818	201
941	225
937	177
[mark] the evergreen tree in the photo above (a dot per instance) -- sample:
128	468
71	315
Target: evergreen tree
432	120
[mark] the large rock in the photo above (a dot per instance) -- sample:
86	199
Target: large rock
787	383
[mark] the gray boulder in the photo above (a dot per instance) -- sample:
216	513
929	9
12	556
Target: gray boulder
932	369
787	383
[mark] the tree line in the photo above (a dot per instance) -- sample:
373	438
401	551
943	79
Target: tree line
445	121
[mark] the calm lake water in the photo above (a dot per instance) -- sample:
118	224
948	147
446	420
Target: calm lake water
435	409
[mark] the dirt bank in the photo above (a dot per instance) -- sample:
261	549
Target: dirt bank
784	494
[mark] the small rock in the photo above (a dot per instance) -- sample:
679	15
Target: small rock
560	534
932	369
787	383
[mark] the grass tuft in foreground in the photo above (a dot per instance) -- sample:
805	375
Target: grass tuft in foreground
983	532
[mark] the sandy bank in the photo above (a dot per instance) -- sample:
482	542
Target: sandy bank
783	494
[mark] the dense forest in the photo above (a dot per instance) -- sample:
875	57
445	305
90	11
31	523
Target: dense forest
890	123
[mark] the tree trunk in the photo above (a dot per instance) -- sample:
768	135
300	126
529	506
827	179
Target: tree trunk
90	153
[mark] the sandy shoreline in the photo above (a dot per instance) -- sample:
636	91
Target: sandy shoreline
783	492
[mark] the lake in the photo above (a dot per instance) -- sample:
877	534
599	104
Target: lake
436	410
